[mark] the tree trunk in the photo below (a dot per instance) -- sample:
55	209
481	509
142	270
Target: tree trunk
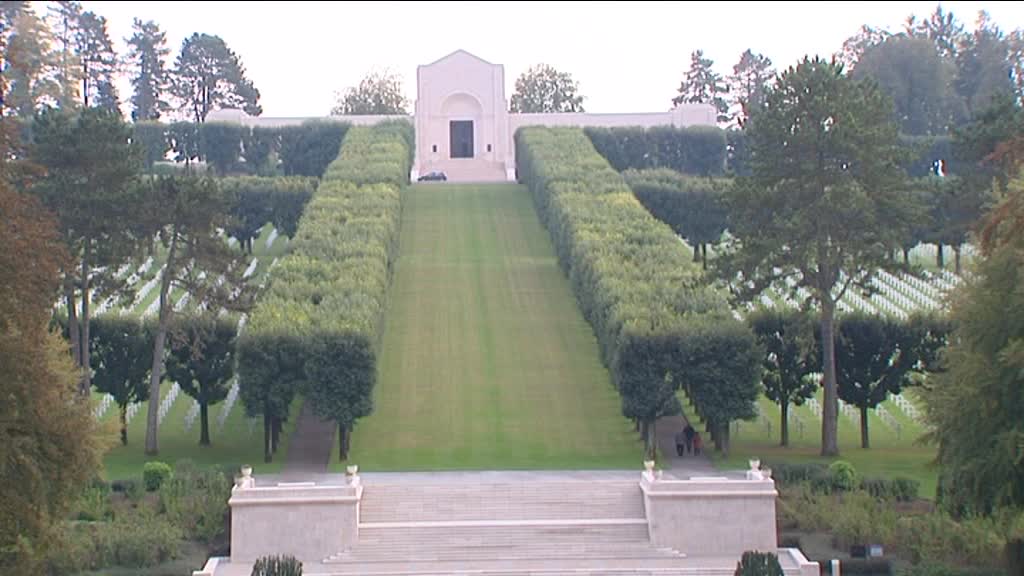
124	424
938	257
956	260
204	424
906	257
784	427
86	382
696	252
342	443
267	448
72	306
156	374
704	255
864	441
830	411
725	439
348	440
275	433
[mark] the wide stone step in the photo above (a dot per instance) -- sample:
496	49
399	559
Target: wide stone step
572	500
503	542
538	567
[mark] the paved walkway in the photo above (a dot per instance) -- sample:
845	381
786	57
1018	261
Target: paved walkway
309	448
685	466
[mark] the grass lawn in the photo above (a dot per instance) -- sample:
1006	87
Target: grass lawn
486	361
239	442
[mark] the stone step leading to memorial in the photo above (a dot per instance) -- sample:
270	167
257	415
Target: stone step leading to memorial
549	500
422	544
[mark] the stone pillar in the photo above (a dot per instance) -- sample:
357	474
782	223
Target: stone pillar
302	519
712	516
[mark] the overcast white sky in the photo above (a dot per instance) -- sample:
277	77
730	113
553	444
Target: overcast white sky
627	57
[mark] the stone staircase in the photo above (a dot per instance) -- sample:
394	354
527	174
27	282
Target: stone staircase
554	526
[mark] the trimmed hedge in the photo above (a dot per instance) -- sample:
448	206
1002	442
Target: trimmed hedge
258	200
691	205
699	150
318	328
303	150
658	325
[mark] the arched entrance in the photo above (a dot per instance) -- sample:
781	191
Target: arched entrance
462	113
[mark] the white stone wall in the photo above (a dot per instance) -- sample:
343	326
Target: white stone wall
304	520
711	517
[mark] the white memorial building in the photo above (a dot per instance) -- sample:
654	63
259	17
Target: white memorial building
463	124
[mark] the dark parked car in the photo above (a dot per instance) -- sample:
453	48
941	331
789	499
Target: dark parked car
433	177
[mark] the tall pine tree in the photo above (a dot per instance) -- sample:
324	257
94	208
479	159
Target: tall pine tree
147	54
702	85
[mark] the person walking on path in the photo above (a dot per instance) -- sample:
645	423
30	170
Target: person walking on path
682	442
698	444
688	432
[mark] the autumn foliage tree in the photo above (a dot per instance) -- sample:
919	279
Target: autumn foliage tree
48	442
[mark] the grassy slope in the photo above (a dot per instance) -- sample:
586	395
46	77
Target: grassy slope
486	360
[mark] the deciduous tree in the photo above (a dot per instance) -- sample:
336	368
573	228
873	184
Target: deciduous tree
377	93
543	89
787	340
202	362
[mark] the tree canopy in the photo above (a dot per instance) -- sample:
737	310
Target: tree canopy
208	76
542	88
824	201
377	93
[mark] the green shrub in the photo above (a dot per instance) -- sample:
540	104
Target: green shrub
754	563
94	504
196	502
938	538
138	539
154	474
134	539
898	489
791	474
843	476
858	518
277	566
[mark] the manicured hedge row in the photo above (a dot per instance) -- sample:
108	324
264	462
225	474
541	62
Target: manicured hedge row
304	150
659	326
318	327
693	150
258	200
690	205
